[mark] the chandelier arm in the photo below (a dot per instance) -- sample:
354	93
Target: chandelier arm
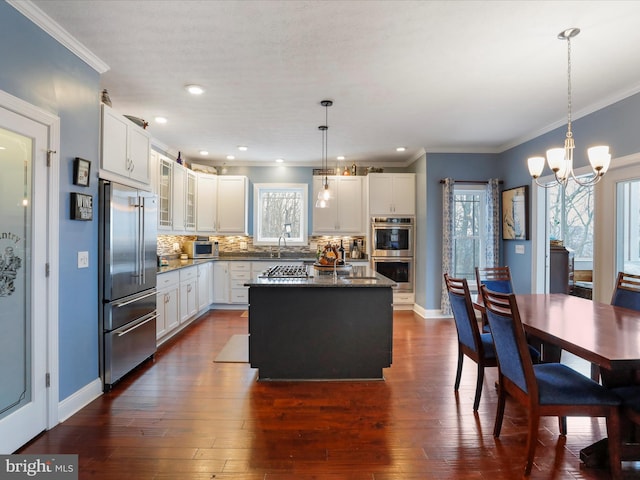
589	182
549	185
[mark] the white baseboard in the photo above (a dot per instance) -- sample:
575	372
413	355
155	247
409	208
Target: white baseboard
80	399
424	313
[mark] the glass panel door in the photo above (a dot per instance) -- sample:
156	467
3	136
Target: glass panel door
15	266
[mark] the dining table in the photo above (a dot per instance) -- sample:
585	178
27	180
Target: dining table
604	335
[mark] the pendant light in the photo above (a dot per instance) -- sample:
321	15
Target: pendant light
324	195
560	159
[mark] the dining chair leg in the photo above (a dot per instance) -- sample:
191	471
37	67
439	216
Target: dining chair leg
562	425
615	443
499	412
459	372
532	441
479	383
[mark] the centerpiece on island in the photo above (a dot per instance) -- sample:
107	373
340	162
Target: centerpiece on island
330	259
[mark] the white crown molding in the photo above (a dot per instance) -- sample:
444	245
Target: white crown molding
46	23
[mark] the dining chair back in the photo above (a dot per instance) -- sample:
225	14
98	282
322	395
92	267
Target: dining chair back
471	342
546	389
627	291
497	279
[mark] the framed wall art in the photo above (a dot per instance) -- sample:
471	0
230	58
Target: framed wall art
81	171
515	213
81	206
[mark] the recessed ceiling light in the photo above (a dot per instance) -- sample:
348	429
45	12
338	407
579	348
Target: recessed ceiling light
341	157
161	119
194	89
243	148
401	149
279	160
230	157
204	153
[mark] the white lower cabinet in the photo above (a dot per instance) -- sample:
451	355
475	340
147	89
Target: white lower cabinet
239	274
204	286
220	282
188	293
168	285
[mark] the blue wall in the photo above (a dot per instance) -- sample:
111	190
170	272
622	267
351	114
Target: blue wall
42	72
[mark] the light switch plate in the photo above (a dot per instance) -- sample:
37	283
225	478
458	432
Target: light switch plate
243	245
83	259
520	249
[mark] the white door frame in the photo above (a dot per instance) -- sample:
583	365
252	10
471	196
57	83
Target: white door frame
606	215
52	122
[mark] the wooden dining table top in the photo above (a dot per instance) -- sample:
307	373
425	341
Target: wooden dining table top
601	333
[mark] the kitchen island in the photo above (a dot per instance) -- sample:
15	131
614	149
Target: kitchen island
323	326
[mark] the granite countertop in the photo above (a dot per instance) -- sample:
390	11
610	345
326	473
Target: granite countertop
357	275
176	263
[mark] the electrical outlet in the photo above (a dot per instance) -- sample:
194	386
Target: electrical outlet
83	259
520	249
313	247
243	245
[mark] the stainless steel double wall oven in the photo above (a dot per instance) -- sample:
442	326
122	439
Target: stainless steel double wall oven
392	249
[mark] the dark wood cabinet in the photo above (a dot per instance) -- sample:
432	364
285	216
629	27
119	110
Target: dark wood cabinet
560	270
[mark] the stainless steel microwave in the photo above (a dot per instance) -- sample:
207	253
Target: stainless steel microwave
201	249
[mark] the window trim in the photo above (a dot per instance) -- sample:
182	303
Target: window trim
303	188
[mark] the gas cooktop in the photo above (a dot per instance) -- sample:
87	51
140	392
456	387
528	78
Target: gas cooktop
286	271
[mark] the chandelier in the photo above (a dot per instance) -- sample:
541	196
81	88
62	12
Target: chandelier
560	160
324	195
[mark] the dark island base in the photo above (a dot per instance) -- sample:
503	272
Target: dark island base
320	333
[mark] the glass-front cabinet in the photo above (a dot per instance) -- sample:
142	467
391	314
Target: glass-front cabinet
165	186
190	201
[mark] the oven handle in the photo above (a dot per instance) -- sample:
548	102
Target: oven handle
120	334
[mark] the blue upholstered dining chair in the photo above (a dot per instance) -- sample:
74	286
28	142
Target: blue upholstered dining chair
475	345
627	291
497	279
547	389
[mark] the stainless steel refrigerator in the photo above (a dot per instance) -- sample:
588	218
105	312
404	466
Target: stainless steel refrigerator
127	282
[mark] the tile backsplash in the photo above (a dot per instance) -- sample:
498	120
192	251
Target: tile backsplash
174	244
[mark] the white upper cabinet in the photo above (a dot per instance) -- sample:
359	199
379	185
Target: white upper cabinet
345	213
392	193
207	194
233	196
125	150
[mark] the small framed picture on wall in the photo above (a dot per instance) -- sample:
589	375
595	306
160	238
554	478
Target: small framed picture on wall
515	213
81	171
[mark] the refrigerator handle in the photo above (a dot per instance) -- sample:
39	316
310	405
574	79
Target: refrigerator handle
143	242
135	203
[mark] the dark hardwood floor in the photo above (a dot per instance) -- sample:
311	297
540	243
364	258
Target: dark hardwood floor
183	416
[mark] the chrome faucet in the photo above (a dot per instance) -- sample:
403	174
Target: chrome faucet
281	237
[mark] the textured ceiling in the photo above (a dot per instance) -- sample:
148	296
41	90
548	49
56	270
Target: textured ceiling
440	76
